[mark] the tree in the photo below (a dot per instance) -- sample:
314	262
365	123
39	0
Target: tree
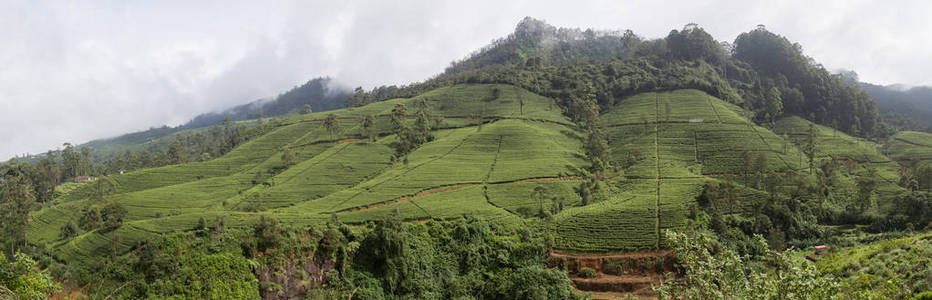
422	124
70	161
287	157
85	161
368	124
21	278
46	177
520	96
923	175
105	186
90	218
112	216
268	233
69	230
866	185
747	163
307	109
761	165
331	124
176	152
358	98
773	104
585	192
810	148
398	117
711	271
539	192
16	201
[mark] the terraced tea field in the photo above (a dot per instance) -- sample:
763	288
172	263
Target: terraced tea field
497	151
910	147
466	170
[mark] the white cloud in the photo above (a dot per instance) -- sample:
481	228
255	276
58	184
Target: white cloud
84	70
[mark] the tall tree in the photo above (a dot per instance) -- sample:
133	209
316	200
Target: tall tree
810	148
367	126
866	185
331	124
86	163
287	157
176	153
539	192
16	201
398	117
46	177
306	109
71	161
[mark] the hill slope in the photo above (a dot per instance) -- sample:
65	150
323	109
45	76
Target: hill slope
498	152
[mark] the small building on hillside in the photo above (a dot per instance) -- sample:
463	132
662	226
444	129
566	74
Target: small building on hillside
820	249
83	178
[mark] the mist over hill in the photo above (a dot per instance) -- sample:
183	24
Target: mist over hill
321	93
906	108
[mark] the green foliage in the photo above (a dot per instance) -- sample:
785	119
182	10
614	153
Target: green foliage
21	278
464	258
893	268
715	272
587	273
16	201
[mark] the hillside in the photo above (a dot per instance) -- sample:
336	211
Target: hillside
550	162
344	174
490	170
908	109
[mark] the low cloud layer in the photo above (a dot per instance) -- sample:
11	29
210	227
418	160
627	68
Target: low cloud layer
84	70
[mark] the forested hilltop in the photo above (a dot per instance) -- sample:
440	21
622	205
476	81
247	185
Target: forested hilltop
554	163
906	109
760	71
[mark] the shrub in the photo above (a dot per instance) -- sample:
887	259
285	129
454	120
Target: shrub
587	273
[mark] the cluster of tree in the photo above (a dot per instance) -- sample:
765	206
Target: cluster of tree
361	97
917	177
410	136
803	86
321	93
584	111
388	259
17	200
200	145
761	71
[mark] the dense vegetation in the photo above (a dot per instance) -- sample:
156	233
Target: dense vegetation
389	259
460	186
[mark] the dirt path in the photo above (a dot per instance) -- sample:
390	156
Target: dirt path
448	188
409	198
548	179
610	255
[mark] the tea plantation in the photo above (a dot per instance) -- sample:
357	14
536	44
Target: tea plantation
496	151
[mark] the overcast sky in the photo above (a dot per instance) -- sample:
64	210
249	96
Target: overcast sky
80	70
